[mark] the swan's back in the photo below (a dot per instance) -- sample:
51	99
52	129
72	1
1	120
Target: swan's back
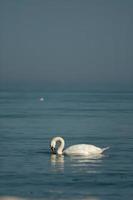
83	149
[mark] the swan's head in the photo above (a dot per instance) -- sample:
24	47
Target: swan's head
60	145
52	146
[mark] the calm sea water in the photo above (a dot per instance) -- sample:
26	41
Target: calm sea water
27	169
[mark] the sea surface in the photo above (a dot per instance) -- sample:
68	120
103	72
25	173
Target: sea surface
28	123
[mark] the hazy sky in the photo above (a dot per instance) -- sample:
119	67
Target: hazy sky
66	42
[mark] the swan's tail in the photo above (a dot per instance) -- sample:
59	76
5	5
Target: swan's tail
105	148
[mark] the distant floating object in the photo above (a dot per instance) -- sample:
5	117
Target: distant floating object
41	99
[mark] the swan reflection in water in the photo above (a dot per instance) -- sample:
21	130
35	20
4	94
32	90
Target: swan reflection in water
78	163
57	162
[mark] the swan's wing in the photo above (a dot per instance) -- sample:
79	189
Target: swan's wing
82	149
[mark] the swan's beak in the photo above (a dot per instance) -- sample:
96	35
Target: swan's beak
52	149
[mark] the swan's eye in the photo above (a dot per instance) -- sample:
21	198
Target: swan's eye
52	149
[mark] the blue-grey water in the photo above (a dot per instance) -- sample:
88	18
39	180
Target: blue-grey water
28	170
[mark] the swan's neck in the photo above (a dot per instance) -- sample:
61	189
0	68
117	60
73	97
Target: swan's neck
61	145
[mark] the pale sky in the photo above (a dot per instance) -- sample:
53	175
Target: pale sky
75	43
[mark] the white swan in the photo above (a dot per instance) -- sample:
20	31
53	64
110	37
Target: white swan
78	149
